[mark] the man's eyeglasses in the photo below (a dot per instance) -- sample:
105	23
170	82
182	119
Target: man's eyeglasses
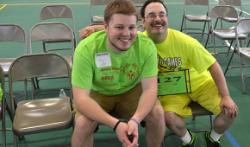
152	16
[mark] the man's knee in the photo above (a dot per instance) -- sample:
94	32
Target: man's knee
156	115
170	117
84	125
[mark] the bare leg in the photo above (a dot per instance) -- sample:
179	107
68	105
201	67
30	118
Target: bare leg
155	127
175	123
222	123
83	132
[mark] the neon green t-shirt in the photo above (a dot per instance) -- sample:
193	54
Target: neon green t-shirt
120	71
180	51
1	94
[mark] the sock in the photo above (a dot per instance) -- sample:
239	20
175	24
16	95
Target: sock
186	138
214	135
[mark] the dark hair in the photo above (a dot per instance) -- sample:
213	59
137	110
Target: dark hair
119	7
151	1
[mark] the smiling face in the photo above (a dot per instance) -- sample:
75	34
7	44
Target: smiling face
156	21
121	31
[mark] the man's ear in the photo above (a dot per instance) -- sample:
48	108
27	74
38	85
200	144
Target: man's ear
143	20
105	25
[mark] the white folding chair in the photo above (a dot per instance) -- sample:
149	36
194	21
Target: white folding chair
243	27
197	15
234	3
224	32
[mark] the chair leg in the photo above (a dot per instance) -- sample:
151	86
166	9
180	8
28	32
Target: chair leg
229	62
229	47
193	117
208	36
203	30
182	23
3	124
211	122
242	75
15	140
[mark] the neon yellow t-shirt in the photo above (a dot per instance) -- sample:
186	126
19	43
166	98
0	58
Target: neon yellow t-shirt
180	51
126	68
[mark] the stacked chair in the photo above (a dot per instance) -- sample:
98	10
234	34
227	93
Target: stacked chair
58	13
54	33
222	31
243	50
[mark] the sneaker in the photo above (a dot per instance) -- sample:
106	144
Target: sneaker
193	140
210	142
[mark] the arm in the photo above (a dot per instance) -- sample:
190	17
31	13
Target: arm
147	99
227	104
145	105
86	31
89	108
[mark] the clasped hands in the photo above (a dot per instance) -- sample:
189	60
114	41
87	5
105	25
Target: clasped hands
127	133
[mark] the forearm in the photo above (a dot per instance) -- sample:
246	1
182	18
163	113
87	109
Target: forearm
219	78
98	27
85	32
147	100
89	108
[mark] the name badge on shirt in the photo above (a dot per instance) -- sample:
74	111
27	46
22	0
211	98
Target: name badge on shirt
102	60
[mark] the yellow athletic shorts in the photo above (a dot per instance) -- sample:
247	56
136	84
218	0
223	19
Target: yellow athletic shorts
207	96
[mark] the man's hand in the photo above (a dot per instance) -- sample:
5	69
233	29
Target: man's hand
122	134
85	32
133	132
228	106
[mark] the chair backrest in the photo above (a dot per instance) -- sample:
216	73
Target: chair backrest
98	2
196	7
235	3
56	11
222	11
14	37
104	2
11	32
230	2
196	2
242	27
51	31
38	65
139	2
